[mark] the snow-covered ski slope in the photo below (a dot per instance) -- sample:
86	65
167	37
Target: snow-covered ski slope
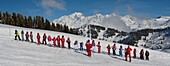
18	53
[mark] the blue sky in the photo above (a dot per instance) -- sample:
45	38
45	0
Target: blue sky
52	9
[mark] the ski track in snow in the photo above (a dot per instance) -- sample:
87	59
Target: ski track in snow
18	53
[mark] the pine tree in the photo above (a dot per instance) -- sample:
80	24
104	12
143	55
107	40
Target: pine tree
66	29
0	15
30	22
26	22
53	27
47	24
42	20
57	27
34	23
7	18
14	18
3	18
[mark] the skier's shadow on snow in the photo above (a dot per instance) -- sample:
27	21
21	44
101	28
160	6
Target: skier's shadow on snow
117	57
112	56
80	52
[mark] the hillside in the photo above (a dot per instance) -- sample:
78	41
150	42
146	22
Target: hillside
125	23
18	53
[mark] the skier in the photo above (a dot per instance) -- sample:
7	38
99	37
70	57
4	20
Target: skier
98	45
54	41
120	51
128	50
88	47
125	53
147	55
27	36
75	46
49	40
114	49
134	53
44	39
68	41
31	37
22	35
62	41
81	46
142	54
38	38
93	45
17	35
58	40
108	48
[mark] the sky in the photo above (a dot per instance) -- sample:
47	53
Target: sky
53	9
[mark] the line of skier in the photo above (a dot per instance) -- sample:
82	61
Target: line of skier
61	41
128	52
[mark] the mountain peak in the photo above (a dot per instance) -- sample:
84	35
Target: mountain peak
78	14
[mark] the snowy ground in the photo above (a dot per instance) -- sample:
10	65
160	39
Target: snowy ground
18	53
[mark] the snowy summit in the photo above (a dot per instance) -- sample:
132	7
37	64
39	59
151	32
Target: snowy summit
122	23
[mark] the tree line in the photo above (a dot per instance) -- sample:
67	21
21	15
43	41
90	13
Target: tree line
36	22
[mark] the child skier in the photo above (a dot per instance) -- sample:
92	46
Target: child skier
114	49
98	45
134	53
27	36
147	55
93	45
44	39
62	41
38	38
68	41
88	47
75	46
128	50
81	46
17	35
120	51
31	37
142	54
58	40
49	40
125	53
54	41
108	49
22	35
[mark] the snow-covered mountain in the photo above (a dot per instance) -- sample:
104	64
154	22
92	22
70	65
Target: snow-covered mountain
76	20
121	23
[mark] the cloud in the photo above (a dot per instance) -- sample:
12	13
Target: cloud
120	2
58	4
129	10
50	5
95	11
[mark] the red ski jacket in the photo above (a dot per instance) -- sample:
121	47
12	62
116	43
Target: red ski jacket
62	39
49	38
44	37
58	39
128	50
31	35
26	35
38	36
68	40
88	46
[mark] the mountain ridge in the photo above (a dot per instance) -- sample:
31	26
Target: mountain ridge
122	23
